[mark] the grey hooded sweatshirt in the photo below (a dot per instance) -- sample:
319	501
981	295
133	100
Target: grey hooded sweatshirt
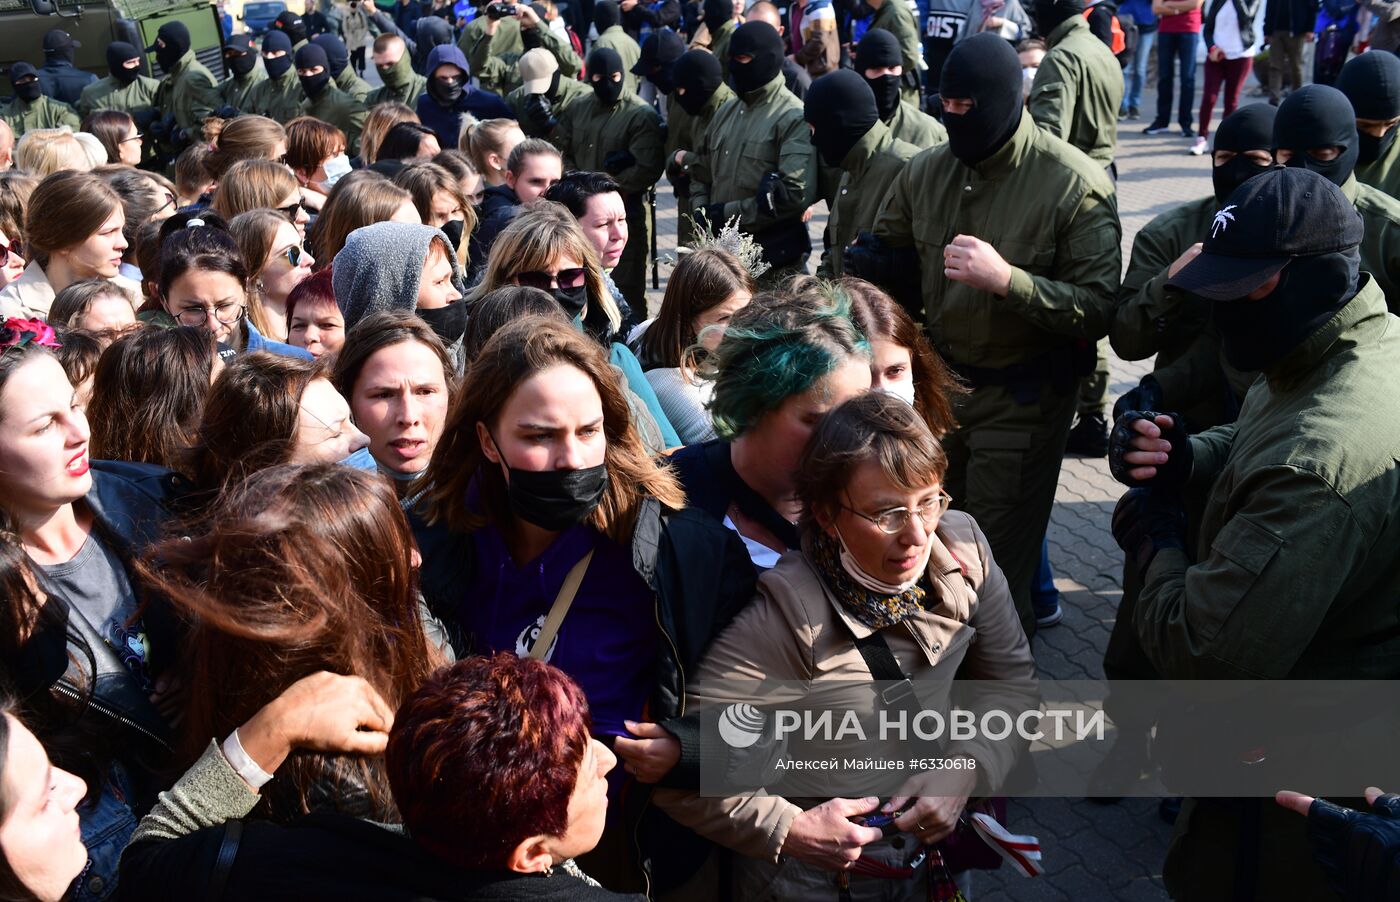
380	267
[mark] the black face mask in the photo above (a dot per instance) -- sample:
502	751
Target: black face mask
119	52
606	14
313	85
717	12
240	64
556	499
553	92
275	41
984	69
1257	334
448	322
1371	82
603	65
310	57
277	66
171	44
1248	128
880	50
1318	116
453	230
886	91
698	72
841	111
29	92
1229	176
1370	148
761	42
573	300
446	91
1051	14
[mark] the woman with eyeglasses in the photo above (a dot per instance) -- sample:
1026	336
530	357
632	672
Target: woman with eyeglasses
277	263
73	227
260	185
882	564
204	282
544	248
118	133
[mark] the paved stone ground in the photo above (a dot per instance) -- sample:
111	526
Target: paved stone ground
1091	852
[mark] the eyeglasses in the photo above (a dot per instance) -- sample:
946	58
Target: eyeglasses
290	211
169	202
12	248
136	137
894	520
227	314
566	278
293	253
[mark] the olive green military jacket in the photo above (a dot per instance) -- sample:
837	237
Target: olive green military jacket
913	126
277	98
1380	241
685	132
234	91
897	18
617	39
719	46
45	112
589	131
1078	89
1297	571
750	136
341	110
1384	173
866	174
110	94
1048	210
353	84
1152	318
494	58
189	92
570	91
408	85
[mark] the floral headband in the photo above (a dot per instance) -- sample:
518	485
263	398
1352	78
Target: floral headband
19	332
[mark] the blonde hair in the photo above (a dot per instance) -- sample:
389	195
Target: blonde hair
423	181
253	185
44	151
481	139
244	138
538	236
255	231
361	198
382	117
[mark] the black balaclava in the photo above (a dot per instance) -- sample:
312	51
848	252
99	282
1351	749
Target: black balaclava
291	24
66	44
717	12
1371	82
1051	14
552	92
659	51
309	57
878	49
176	40
841	110
604	63
698	72
985	70
446	92
278	66
1257	334
606	14
336	54
29	92
119	52
1318	116
1249	127
762	42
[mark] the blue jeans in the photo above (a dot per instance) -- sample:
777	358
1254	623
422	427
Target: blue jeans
1171	48
1044	596
1135	74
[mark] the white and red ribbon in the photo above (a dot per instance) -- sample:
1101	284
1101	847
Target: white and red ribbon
1023	852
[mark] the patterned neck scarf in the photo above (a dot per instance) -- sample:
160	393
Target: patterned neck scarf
874	610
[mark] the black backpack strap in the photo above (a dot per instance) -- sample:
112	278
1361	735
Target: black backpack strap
223	862
885	669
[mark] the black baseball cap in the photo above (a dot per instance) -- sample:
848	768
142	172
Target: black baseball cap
661	48
240	43
58	39
1269	220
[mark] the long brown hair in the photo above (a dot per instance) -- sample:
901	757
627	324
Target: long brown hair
423	181
513	355
110	127
302	569
241	138
361	198
148	395
255	231
65	210
253	185
702	280
381	118
881	319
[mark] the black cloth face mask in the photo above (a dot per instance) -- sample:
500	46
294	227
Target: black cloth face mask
29	92
240	64
985	70
760	42
697	72
309	57
119	52
449	322
1248	128
605	75
717	12
277	66
1257	334
171	44
880	50
573	300
841	110
554	499
453	230
1318	116
1370	148
1372	83
446	91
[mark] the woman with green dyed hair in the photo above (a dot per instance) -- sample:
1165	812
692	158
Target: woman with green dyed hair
783	363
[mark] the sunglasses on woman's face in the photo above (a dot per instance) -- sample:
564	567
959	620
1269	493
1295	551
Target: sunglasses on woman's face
566	278
290	211
12	248
293	254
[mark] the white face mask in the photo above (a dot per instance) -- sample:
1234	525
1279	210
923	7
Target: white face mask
336	167
904	391
1027	79
879	587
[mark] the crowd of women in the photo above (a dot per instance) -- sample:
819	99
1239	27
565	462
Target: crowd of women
270	464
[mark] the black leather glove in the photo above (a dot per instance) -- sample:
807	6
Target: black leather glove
1147	521
618	161
1171	474
1358	851
1146	395
227	112
772	194
540	112
530	37
710	216
161	127
681	183
897	270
